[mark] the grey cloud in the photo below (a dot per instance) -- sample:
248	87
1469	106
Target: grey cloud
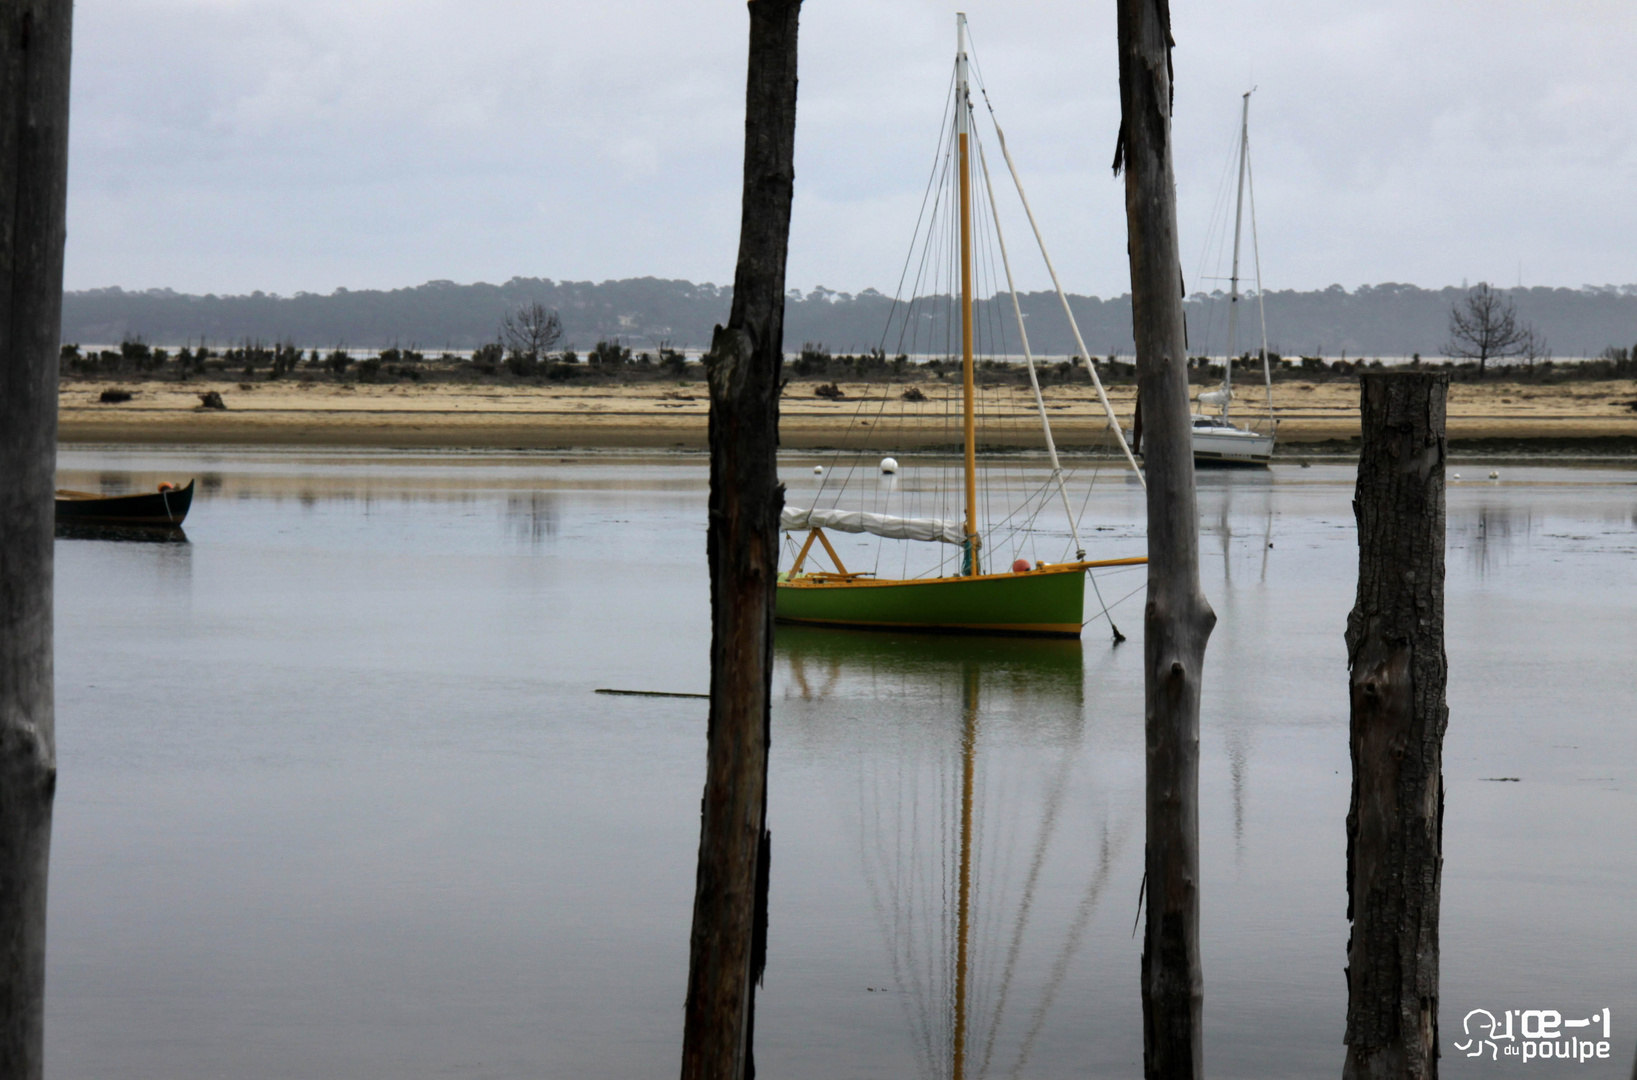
291	144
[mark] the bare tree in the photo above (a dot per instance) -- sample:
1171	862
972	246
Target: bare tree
1533	347
1178	620
728	946
1484	326
34	65
531	331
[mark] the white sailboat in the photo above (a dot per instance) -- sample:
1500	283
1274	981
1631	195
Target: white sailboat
1217	440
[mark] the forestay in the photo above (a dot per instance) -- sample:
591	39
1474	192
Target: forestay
794	518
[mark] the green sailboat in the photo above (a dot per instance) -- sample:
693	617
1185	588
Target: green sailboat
1036	599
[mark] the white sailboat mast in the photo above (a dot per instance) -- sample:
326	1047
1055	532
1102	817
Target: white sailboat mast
1233	281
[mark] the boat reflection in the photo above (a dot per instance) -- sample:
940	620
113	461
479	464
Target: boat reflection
1491	532
532	518
818	660
984	844
137	534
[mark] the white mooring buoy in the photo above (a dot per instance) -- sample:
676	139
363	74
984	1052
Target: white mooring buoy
889	465
1494	476
818	470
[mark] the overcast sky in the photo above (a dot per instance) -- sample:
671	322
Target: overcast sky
285	145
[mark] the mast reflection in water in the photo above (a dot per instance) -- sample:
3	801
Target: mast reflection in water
961	762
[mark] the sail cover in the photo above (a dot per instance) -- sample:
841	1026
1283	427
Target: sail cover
856	521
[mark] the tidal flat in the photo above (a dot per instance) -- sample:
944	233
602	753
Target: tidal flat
1591	416
337	798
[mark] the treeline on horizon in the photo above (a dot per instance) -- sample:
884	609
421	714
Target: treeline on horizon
1389	320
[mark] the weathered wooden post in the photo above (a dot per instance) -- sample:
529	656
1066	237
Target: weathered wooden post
729	942
1395	651
34	53
1177	621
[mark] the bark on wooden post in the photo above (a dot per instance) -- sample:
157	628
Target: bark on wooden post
1395	651
1177	621
729	942
34	54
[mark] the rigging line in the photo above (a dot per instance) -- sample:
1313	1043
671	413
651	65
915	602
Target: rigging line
1071	945
1002	788
947	306
969	737
1028	523
943	130
994	411
1112	571
880	411
949	884
920	871
1098	592
1233	290
858	410
1219	210
890	926
900	928
1013	468
909	503
932	975
935	225
1028	357
1048	828
974	69
1085	353
1090	487
983	906
985	421
1256	258
1027	502
1073	475
853	422
1121	600
943	156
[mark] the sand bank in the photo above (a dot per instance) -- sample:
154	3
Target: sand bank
673	415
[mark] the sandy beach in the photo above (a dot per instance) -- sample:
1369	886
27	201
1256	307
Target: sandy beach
1589	415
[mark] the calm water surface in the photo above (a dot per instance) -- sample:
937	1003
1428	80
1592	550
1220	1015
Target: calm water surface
337	799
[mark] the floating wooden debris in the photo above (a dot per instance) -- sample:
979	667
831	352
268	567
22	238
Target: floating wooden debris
650	693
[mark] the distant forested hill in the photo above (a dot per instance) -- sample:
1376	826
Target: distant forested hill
1373	320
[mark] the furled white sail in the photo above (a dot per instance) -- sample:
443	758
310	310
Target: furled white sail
794	518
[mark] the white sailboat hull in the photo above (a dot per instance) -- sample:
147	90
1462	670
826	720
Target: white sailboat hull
1225	444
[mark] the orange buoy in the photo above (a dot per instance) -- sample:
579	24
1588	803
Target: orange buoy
167	487
1021	566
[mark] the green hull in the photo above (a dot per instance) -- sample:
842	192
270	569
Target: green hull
1048	603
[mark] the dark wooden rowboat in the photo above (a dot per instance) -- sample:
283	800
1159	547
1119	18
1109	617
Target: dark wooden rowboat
164	508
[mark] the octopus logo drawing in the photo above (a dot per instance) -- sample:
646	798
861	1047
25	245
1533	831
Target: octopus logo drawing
1536	1035
1483	1032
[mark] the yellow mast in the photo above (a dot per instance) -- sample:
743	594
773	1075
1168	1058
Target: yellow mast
962	129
